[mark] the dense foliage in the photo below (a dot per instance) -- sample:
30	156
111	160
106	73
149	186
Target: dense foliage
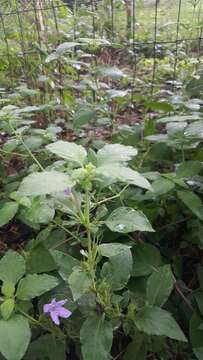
101	197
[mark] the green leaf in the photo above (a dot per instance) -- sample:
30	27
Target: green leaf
40	260
117	270
68	151
96	336
66	46
192	201
117	173
46	347
137	349
156	321
109	250
160	187
83	116
112	72
159	285
178	118
125	220
196	333
12	267
195	86
195	130
188	169
115	153
65	262
35	285
79	282
199	352
146	258
46	182
7	212
7	308
14	337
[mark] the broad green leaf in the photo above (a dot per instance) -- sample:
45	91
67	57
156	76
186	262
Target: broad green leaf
12	267
146	258
117	270
96	336
115	93
156	321
192	201
7	212
109	250
116	173
40	260
65	262
195	86
46	182
176	129
112	72
195	130
137	349
39	212
46	347
66	46
14	337
69	151
79	282
35	285
196	332
188	169
125	220
115	153
178	118
160	187
83	116
159	285
199	352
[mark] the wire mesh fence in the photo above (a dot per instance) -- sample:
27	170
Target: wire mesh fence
139	30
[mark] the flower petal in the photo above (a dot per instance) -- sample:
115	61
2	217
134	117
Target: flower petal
55	318
64	313
61	302
47	308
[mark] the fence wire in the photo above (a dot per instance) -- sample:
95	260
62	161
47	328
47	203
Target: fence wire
31	29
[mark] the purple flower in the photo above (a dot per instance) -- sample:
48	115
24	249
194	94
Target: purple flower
68	191
56	310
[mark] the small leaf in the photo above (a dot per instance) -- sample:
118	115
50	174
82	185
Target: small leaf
146	258
7	308
125	220
69	151
159	285
14	337
79	282
46	182
156	321
35	285
137	349
12	267
96	336
7	212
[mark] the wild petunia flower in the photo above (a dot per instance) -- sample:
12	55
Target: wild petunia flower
56	310
68	191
